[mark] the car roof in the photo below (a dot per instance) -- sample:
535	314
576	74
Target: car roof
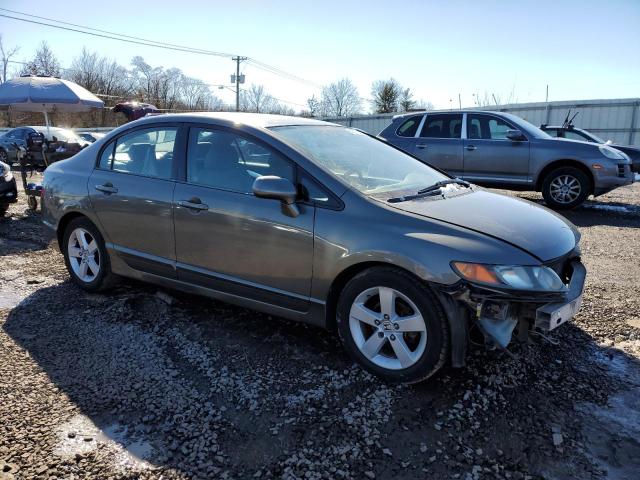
258	120
451	110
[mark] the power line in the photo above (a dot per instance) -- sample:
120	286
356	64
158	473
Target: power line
150	43
114	38
209	52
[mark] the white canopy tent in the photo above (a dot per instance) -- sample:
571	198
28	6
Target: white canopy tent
45	94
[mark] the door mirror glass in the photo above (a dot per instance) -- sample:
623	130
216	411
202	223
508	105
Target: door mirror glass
515	135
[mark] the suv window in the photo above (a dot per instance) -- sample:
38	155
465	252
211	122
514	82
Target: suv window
442	125
554	132
220	159
487	127
571	135
409	127
146	152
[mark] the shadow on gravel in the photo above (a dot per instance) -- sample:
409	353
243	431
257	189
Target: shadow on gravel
589	217
20	234
203	388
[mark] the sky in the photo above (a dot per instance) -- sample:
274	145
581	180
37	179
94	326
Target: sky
581	49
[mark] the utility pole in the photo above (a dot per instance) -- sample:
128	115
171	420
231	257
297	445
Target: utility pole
238	59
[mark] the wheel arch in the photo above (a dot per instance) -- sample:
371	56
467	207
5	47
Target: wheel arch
565	163
66	220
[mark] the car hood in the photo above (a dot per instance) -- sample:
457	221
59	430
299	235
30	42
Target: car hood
530	227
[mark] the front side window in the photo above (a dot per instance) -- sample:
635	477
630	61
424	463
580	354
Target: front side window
486	127
221	159
367	164
442	125
409	127
553	132
147	152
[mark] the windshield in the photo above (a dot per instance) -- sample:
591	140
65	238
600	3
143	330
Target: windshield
367	164
593	137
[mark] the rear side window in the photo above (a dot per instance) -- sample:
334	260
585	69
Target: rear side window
409	127
571	135
147	152
442	125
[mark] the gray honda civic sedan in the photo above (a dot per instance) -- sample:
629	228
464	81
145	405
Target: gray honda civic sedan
319	223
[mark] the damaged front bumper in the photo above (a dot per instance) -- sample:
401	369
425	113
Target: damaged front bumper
502	315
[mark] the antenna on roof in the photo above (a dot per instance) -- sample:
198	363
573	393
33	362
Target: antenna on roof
566	119
571	121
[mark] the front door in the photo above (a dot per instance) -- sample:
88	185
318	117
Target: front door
131	192
489	156
440	142
231	241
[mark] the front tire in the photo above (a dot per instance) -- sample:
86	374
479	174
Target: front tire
86	257
565	188
4	156
393	325
3	209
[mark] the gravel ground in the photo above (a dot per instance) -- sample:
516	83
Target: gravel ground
142	383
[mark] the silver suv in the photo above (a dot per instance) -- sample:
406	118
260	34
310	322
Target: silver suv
497	149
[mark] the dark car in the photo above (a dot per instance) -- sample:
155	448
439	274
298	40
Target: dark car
497	149
573	133
8	190
318	223
58	141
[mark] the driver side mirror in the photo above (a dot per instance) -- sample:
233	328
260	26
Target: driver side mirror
277	188
515	135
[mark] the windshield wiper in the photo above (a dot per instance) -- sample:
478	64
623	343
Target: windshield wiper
442	183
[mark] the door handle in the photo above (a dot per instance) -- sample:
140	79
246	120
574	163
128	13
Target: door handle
470	147
422	145
193	204
107	188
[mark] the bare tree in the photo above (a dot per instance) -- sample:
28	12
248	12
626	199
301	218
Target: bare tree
44	62
256	99
7	54
406	101
340	99
386	96
314	106
423	105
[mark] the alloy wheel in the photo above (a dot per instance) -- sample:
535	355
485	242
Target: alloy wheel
84	255
565	189
388	328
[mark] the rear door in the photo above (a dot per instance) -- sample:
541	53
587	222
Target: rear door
489	156
439	142
131	191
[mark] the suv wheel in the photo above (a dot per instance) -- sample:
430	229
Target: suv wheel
3	209
86	257
4	158
565	188
393	325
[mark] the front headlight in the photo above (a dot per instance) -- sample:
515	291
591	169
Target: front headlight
517	277
5	172
611	153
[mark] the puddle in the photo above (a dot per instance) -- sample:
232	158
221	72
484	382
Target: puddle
612	431
81	436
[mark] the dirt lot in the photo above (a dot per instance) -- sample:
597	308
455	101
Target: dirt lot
139	383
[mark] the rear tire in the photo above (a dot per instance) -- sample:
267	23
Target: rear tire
86	257
3	209
393	325
565	188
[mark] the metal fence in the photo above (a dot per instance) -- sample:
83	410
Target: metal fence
617	120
